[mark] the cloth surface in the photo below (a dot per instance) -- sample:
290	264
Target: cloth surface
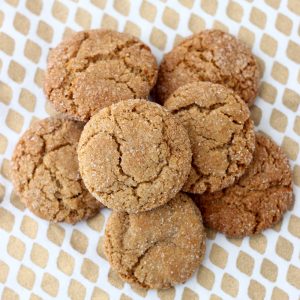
39	260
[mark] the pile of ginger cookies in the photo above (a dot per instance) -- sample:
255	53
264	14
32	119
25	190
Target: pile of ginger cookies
165	167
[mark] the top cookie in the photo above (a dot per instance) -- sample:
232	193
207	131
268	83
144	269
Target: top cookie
258	200
96	68
211	55
221	134
158	248
134	156
45	172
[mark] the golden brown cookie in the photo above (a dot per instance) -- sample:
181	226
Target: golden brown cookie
221	134
45	172
134	156
158	248
258	200
96	68
211	55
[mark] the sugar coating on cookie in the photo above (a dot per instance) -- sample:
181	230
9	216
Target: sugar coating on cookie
159	248
221	134
258	200
45	172
134	156
95	68
211	55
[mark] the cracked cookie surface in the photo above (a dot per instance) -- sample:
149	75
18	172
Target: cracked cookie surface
96	68
221	133
258	200
45	172
134	156
159	248
211	55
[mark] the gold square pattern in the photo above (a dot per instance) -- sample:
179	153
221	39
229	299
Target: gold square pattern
47	260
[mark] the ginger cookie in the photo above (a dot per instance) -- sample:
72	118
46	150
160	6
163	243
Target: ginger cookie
211	55
95	68
134	156
158	248
45	172
258	200
221	134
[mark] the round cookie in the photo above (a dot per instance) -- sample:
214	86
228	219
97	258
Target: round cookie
45	172
134	156
221	134
211	55
95	68
159	248
258	200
